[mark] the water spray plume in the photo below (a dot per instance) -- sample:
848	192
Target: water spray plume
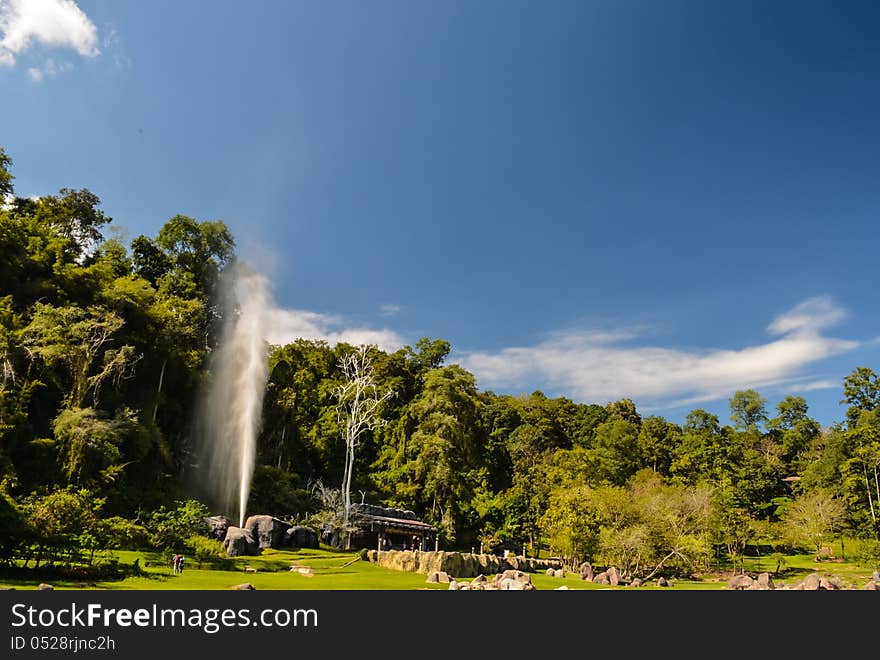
229	411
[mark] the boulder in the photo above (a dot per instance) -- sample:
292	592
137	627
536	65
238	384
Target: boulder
562	588
45	587
267	532
871	586
551	572
217	526
740	583
245	586
765	582
601	578
636	583
828	585
481	578
454	585
613	576
586	571
438	577
812	582
662	582
299	536
239	542
558	572
516	576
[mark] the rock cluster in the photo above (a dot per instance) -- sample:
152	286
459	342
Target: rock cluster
509	580
813	582
265	532
459	564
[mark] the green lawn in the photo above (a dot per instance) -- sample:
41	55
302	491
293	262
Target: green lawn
335	570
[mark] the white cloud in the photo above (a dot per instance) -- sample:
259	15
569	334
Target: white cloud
112	43
286	325
601	367
389	310
49	69
815	385
52	23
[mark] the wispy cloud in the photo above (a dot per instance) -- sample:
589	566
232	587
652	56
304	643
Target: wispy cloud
50	23
286	325
593	366
48	69
389	310
113	45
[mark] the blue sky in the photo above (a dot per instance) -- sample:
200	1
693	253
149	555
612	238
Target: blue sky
662	200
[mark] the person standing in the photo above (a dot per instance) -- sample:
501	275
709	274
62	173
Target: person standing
175	562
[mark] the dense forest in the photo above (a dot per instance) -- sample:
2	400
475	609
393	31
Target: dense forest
104	345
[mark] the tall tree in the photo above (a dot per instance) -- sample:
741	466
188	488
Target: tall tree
861	390
747	410
358	411
5	175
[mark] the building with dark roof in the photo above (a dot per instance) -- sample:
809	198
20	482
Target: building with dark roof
385	528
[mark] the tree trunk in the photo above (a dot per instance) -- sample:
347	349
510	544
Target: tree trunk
159	390
877	487
868	490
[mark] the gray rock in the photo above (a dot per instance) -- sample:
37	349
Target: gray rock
245	586
662	582
613	576
812	582
871	586
217	526
765	582
828	585
481	579
509	584
559	573
45	587
740	583
636	583
299	536
239	542
267	532
586	571
438	577
601	578
454	585
551	572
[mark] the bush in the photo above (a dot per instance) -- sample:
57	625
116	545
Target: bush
206	551
868	554
171	529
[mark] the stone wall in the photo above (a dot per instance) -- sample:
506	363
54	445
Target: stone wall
457	564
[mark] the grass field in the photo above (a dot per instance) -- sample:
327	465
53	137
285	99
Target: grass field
335	570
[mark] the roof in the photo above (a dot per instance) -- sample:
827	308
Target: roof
389	517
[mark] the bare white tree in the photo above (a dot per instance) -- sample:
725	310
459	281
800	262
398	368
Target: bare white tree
357	411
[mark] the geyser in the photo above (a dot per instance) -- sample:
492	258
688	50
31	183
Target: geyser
229	411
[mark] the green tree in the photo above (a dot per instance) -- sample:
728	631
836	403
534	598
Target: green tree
82	344
5	175
747	410
797	430
89	444
861	390
814	518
